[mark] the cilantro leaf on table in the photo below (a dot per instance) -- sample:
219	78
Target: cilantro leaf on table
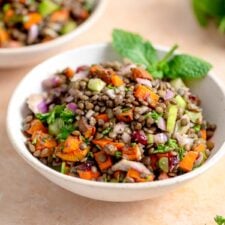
220	220
134	47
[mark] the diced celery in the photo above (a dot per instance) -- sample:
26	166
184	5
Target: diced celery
164	164
63	168
180	101
68	27
150	138
195	117
46	7
55	127
177	83
96	84
172	117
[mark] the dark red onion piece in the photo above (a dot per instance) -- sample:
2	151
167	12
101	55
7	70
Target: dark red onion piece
169	94
82	68
42	107
72	106
140	137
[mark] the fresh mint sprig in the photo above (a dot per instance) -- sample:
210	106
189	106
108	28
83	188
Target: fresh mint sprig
134	47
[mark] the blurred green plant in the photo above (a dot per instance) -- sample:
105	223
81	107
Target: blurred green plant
210	10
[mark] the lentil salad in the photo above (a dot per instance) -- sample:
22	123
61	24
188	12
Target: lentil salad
114	122
28	22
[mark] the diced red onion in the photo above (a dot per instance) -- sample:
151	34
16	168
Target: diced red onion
82	68
32	34
127	68
119	128
111	93
36	103
184	139
42	107
125	165
161	123
72	106
169	95
140	137
145	82
80	75
160	138
51	82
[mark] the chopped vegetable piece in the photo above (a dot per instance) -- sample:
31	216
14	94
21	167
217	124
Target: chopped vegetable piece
63	167
60	16
104	161
171	120
69	72
88	174
178	83
195	117
164	164
138	177
187	163
146	94
72	151
102	142
180	102
203	134
36	125
141	73
68	27
103	117
47	7
32	19
42	140
132	153
126	116
116	80
96	84
199	148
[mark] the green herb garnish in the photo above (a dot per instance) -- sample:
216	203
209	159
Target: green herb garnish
107	130
220	220
60	121
118	154
207	10
140	51
63	168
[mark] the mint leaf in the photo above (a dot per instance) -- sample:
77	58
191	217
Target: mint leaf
220	220
199	13
134	47
187	67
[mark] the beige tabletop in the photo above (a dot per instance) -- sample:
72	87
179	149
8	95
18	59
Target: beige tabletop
27	198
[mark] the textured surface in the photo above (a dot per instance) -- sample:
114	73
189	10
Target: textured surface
26	198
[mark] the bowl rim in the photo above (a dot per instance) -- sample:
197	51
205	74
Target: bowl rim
99	8
35	163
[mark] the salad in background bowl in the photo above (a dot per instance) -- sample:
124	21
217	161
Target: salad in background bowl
33	30
133	157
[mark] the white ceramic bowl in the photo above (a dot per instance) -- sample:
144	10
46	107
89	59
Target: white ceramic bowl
23	56
213	105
